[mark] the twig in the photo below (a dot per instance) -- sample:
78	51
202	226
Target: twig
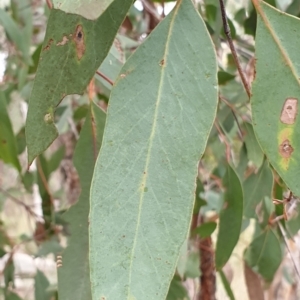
44	180
223	139
163	8
105	78
151	10
91	96
234	111
232	48
49	3
288	248
19	202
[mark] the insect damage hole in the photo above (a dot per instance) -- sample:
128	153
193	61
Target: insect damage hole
78	38
286	149
289	111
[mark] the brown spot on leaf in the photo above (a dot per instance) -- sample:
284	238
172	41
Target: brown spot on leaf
286	149
78	38
63	42
48	45
162	62
289	111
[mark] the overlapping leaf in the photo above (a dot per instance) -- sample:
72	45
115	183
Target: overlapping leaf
73	49
256	188
90	9
74	275
276	91
230	217
160	114
264	254
8	144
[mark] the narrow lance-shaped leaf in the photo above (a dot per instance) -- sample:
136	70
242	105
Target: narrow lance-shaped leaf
256	188
159	117
73	49
8	144
230	217
74	275
276	91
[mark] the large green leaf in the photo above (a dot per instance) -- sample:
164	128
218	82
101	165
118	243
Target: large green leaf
74	275
73	49
8	144
159	117
276	91
264	254
256	188
230	217
90	9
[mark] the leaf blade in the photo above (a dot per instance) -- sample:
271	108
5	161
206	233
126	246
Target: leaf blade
230	218
130	198
275	130
76	53
74	275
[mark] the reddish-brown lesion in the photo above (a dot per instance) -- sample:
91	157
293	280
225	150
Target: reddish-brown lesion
286	149
78	38
47	47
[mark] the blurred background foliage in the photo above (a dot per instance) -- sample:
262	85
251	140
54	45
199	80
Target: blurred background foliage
33	230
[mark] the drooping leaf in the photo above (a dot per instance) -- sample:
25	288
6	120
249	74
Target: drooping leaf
256	187
74	275
275	98
159	117
8	144
73	49
264	254
177	290
230	217
226	285
253	149
15	34
41	283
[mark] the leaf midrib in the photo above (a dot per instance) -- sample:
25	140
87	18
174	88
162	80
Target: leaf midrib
151	138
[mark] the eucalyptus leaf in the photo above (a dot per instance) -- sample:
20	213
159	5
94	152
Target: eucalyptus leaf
74	277
68	61
275	98
143	188
230	217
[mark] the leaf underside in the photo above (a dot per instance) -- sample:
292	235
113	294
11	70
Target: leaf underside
143	188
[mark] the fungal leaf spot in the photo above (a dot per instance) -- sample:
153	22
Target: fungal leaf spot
286	149
162	62
78	38
63	42
289	111
47	47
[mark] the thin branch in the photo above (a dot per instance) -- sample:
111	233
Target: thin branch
49	3
91	97
232	48
44	180
223	139
234	111
105	78
19	202
288	248
151	10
